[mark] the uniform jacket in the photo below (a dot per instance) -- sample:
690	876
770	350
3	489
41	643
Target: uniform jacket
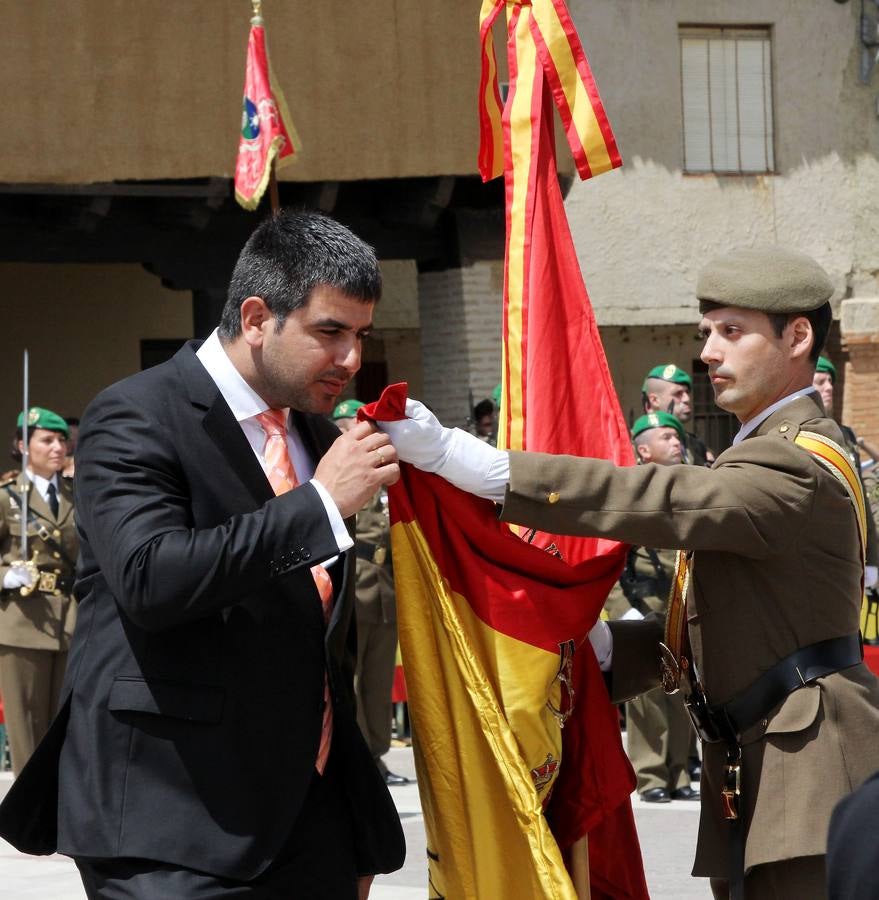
776	567
194	689
375	582
40	621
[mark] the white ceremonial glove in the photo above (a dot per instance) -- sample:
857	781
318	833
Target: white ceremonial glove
17	577
871	576
602	643
451	453
632	614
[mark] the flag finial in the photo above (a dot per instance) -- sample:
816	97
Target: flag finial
257	12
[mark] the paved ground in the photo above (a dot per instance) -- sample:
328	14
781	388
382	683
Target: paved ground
667	832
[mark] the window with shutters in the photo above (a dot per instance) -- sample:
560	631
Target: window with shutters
726	93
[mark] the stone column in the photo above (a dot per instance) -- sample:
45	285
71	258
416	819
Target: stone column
859	322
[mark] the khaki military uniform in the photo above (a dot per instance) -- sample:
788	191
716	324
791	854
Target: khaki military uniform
376	612
35	631
658	728
776	567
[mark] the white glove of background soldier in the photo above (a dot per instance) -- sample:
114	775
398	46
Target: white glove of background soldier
451	453
17	577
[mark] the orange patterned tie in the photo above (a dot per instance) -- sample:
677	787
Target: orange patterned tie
282	477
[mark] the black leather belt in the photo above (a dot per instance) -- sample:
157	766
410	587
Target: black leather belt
725	721
374	553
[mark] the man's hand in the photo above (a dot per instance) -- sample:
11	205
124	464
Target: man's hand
356	466
364	883
17	577
455	455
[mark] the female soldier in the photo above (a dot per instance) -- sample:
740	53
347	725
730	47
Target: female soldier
37	610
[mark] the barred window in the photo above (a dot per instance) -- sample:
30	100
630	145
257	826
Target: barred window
726	93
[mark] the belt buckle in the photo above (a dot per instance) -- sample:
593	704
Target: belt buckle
380	555
48	582
671	671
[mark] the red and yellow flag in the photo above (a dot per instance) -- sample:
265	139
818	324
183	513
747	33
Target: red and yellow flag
490	628
267	131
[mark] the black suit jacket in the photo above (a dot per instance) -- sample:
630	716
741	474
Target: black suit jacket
194	689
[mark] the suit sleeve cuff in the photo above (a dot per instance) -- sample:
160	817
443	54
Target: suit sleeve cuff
337	523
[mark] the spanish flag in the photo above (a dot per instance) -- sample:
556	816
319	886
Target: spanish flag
267	131
491	629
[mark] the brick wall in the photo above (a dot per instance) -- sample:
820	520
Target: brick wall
460	313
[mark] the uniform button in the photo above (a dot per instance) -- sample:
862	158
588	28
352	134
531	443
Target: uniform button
305	554
56	555
764	723
553	497
783	429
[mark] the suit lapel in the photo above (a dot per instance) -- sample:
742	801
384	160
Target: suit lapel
220	425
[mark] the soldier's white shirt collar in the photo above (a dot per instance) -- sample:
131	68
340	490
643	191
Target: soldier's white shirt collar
42	484
761	417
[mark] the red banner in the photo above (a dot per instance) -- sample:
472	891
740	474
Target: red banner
267	132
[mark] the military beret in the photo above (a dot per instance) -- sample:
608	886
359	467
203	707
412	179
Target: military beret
668	372
658	420
496	395
347	409
37	417
825	365
771	279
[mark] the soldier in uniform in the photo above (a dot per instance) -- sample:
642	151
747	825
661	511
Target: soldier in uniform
762	633
37	610
669	389
375	610
658	729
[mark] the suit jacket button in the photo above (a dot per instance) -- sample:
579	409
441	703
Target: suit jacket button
553	497
305	554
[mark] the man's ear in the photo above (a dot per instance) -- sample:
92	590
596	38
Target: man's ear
642	451
801	337
256	317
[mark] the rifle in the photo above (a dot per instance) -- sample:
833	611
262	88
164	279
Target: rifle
24	562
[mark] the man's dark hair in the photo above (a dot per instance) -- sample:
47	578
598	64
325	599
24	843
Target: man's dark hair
289	255
483	408
820	319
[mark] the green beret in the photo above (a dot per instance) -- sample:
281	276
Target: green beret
668	372
37	417
825	365
347	409
771	279
658	420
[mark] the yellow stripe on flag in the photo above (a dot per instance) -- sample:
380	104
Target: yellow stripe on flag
521	138
577	97
486	832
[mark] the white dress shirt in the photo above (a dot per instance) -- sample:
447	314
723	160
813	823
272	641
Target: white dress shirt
246	405
42	484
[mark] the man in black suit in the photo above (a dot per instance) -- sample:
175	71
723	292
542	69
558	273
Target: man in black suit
208	745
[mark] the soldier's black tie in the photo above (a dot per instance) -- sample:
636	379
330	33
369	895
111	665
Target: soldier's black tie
52	498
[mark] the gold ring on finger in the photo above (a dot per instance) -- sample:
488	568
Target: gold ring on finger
381	456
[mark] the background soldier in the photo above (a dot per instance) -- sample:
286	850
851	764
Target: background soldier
658	727
376	613
670	389
35	629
